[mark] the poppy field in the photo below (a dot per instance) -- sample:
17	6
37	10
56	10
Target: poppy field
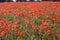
30	21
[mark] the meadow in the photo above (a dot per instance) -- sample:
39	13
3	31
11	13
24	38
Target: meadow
30	21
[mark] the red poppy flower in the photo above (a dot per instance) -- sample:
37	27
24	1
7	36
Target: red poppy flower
34	27
44	25
53	17
16	23
4	22
20	33
27	16
3	32
17	14
0	31
49	32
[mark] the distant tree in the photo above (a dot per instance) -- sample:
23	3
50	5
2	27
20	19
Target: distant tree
2	0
